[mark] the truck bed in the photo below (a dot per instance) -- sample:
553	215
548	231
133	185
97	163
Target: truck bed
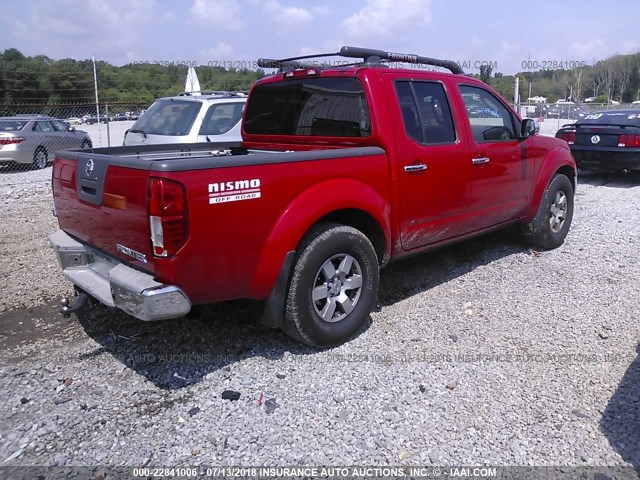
234	199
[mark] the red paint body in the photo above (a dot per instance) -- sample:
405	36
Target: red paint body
236	249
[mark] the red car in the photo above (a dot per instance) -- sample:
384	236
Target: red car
341	170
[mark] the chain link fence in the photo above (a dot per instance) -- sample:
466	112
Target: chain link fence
552	117
570	111
31	134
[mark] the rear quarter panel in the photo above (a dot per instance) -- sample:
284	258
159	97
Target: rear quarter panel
236	249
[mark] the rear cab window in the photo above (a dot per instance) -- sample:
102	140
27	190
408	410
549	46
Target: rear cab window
169	117
329	106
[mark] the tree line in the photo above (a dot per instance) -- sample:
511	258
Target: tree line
41	80
614	79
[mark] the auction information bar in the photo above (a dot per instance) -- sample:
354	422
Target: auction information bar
319	472
325	472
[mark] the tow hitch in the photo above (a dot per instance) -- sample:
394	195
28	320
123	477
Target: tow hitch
67	308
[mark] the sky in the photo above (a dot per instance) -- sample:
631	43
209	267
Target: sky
504	33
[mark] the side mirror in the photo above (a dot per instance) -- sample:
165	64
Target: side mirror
529	127
72	129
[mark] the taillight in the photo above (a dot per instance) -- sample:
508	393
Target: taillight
11	140
302	73
569	137
629	141
167	216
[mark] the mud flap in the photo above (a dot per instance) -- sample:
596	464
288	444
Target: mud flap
273	312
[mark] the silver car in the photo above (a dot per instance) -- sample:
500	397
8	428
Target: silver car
190	118
34	140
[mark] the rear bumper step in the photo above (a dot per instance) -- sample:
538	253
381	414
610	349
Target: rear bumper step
115	284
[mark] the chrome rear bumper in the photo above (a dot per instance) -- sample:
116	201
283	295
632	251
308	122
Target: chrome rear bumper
115	284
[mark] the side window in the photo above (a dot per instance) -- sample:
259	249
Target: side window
490	120
221	118
409	111
59	126
43	127
425	112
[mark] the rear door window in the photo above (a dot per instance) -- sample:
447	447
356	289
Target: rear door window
44	127
169	117
221	118
332	107
426	112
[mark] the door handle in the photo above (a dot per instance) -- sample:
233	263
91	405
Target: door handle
415	168
480	161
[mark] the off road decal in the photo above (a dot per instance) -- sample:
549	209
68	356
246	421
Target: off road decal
234	191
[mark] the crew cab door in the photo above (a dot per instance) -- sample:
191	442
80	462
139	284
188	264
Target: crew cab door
501	167
432	171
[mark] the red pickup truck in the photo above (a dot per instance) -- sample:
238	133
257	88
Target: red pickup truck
341	169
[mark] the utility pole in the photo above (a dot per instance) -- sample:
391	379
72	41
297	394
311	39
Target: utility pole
95	86
106	113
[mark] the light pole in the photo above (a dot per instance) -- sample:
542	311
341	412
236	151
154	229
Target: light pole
95	86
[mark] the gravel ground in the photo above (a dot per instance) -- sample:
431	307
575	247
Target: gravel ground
29	272
484	353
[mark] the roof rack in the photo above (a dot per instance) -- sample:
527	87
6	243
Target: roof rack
370	57
222	93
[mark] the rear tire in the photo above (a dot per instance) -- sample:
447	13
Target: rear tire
40	158
551	224
333	286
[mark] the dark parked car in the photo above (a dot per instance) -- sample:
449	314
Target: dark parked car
605	141
554	111
579	112
93	119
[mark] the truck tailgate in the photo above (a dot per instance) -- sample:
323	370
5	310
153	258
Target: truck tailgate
92	197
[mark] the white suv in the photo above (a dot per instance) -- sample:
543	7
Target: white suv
190	118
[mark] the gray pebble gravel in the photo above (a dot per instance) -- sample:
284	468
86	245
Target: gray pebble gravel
484	353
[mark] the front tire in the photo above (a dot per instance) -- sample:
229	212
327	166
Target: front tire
40	158
333	286
551	224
